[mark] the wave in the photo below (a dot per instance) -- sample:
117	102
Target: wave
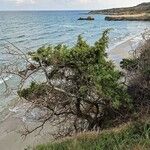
71	26
135	41
5	79
21	108
20	36
20	41
27	113
38	38
5	39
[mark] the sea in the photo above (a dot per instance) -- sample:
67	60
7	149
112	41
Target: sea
29	30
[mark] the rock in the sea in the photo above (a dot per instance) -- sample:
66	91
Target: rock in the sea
89	18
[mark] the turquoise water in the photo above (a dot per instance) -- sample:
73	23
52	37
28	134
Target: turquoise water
33	29
30	30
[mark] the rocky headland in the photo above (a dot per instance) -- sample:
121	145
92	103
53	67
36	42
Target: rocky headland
140	12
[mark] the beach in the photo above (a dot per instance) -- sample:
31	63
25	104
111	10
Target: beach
11	134
124	49
10	137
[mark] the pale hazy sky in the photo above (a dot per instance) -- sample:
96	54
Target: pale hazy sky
65	4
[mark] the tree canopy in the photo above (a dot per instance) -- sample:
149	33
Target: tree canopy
82	90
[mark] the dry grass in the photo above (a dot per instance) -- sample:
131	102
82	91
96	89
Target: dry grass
130	136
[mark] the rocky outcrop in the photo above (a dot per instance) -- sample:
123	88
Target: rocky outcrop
89	18
140	17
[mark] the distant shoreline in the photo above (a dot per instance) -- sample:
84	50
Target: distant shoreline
135	17
140	12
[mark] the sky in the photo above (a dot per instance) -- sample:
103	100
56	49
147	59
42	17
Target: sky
65	4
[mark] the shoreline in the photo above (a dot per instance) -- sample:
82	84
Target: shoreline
124	49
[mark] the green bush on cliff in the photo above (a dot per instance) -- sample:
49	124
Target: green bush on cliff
82	86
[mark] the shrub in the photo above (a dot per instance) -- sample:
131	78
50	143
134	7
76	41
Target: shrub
83	89
138	76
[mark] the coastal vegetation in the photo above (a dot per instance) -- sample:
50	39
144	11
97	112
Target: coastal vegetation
83	94
138	76
82	87
133	135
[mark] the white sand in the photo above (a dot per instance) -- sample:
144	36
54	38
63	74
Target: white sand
124	50
11	139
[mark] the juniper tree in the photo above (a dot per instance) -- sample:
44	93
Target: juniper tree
82	90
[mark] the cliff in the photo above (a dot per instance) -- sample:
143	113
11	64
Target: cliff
139	17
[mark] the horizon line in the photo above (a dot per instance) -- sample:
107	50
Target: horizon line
50	10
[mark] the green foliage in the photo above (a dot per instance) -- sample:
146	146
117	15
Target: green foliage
129	64
136	136
92	63
34	89
92	79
